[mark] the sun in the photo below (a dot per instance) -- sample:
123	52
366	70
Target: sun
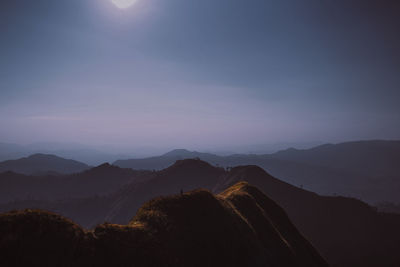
123	3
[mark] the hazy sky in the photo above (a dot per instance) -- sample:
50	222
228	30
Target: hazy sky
199	73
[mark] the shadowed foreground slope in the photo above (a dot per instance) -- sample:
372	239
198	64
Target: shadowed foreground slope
239	227
346	231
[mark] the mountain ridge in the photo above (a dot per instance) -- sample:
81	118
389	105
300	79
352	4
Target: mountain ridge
191	229
102	180
363	169
335	225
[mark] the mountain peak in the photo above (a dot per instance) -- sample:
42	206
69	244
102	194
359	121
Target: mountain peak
179	152
104	168
190	164
41	155
250	170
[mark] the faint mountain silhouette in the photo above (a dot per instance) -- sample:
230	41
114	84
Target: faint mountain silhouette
367	169
101	180
78	152
39	164
371	158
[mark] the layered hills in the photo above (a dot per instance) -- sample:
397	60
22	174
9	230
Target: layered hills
346	231
367	170
239	227
102	180
371	158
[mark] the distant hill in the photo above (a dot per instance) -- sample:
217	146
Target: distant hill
371	158
102	180
239	227
38	164
166	160
81	153
367	169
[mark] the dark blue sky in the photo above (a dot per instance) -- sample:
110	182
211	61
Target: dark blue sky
199	74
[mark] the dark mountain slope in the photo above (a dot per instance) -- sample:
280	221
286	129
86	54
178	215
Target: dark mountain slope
184	175
37	238
346	231
41	164
236	228
246	198
135	188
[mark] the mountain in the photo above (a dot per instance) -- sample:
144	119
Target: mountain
239	227
102	180
371	158
184	175
78	152
165	160
41	164
346	231
367	170
335	225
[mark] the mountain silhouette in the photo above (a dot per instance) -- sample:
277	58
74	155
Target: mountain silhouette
347	232
371	158
239	227
39	164
102	180
165	160
184	175
366	169
78	152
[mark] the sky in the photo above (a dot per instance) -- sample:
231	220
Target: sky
199	74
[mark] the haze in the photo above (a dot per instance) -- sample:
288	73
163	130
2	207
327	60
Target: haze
199	74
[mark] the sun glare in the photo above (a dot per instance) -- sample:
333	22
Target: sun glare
123	3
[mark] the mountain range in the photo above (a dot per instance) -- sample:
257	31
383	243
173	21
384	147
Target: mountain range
82	153
102	180
368	170
345	231
239	227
